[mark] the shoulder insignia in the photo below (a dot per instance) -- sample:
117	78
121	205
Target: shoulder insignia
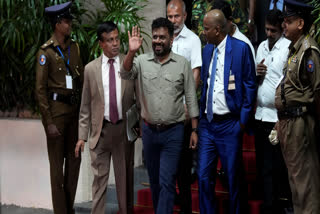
42	59
310	66
47	44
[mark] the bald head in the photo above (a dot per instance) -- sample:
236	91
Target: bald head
215	26
216	17
176	12
177	3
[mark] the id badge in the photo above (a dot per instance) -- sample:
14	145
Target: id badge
232	83
69	82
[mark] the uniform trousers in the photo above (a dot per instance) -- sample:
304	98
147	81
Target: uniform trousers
299	148
162	151
64	166
113	144
219	139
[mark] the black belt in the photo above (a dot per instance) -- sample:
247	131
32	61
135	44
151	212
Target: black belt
160	127
107	121
71	99
292	112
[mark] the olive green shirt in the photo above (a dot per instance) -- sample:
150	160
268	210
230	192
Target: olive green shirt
302	75
51	74
162	87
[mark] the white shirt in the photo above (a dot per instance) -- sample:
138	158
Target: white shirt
105	82
188	44
238	35
275	61
219	105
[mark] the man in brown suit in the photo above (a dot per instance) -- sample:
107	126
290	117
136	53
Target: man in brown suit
105	101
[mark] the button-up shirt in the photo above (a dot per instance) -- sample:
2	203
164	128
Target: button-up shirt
105	82
219	99
162	87
275	60
188	44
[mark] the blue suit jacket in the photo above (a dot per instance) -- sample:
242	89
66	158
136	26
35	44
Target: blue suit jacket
238	61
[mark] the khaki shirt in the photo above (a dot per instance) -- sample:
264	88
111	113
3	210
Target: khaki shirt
51	74
302	79
162	87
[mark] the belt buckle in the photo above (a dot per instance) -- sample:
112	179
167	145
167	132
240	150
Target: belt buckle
158	127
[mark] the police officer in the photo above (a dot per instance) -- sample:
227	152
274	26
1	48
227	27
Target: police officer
298	103
59	77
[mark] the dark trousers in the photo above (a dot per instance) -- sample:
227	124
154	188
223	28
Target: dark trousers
162	151
64	167
219	139
184	173
272	172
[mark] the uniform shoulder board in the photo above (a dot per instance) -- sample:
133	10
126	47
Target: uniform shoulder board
47	44
306	44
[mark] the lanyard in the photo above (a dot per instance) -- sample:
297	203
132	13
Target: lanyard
62	56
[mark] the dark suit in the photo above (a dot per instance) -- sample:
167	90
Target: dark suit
222	136
107	139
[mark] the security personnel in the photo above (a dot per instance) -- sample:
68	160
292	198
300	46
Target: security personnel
298	103
59	78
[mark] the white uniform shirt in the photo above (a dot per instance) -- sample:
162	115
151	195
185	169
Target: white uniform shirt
238	35
219	104
275	61
105	82
188	44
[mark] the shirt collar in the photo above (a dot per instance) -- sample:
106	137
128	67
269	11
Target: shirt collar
171	56
56	43
276	46
105	59
183	32
222	44
297	45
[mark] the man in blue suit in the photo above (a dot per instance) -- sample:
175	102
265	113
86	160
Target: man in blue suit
228	94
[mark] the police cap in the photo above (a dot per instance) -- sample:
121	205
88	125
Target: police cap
59	11
297	8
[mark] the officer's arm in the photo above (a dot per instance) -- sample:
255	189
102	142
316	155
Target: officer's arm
313	70
42	65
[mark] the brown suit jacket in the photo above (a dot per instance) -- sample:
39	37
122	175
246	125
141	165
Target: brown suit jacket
92	103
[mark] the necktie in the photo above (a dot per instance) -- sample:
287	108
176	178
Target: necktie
212	77
113	110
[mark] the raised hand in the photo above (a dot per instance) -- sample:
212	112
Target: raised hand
135	40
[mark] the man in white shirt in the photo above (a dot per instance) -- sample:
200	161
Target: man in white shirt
232	28
187	44
272	57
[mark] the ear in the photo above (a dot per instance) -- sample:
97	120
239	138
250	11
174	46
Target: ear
101	44
300	24
185	16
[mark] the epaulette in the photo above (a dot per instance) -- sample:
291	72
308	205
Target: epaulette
47	44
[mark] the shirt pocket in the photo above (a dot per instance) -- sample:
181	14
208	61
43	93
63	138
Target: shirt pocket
149	81
173	84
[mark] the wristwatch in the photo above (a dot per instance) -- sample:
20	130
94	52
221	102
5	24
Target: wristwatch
195	130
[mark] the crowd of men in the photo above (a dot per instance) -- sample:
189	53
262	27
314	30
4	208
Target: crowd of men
278	86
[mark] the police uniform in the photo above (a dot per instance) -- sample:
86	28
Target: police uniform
59	78
297	100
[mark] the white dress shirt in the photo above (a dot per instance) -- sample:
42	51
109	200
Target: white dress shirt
238	35
105	81
188	44
275	61
219	105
